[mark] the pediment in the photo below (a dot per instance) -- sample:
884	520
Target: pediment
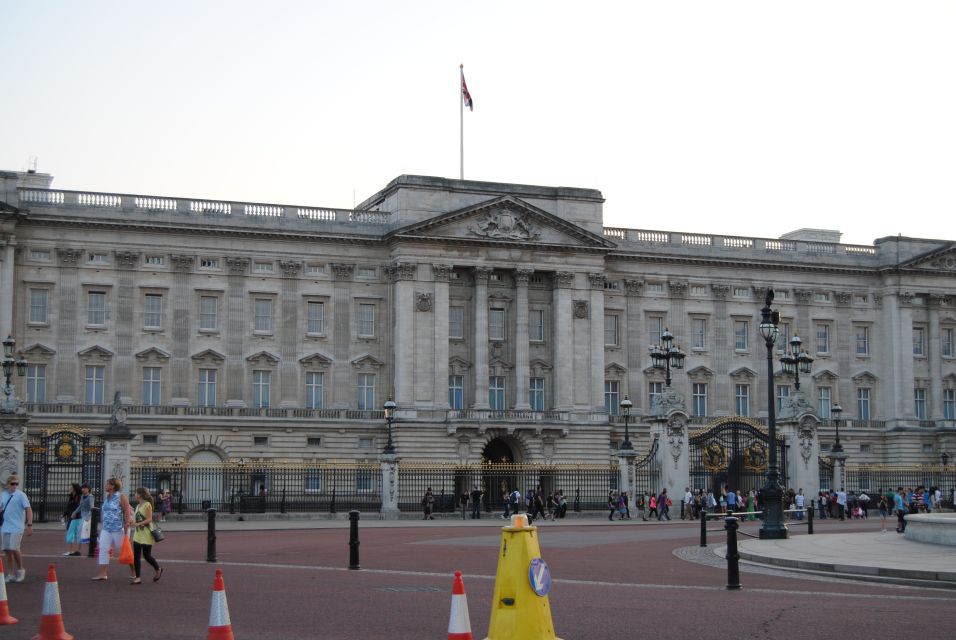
209	355
367	360
539	366
864	376
743	372
700	372
263	357
37	350
316	359
499	367
152	354
825	376
96	352
616	369
458	366
941	259
507	220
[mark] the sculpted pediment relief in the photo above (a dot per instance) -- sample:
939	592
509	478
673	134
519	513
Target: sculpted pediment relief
37	351
316	359
152	354
96	352
505	219
367	361
263	358
209	356
943	259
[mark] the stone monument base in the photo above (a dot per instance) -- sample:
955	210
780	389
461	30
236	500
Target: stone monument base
935	528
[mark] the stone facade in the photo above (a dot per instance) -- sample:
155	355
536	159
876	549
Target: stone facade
504	320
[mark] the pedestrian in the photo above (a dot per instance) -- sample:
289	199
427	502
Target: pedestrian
642	505
506	498
165	505
884	509
627	504
143	536
116	521
537	507
80	521
841	503
899	505
611	504
685	505
751	506
731	497
562	504
800	500
17	520
72	520
663	505
823	499
476	496
652	508
428	504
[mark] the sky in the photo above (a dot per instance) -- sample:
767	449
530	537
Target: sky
748	118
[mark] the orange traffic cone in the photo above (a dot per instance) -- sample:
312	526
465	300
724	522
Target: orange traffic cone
459	623
51	622
5	617
220	628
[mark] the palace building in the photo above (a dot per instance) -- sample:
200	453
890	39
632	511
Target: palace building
505	321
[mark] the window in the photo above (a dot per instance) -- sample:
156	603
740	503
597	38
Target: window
366	273
211	264
612	285
612	397
821	297
456	392
496	393
863	403
314	385
94	384
949	404
262	267
261	388
366	392
654	392
39	303
315	317
260	441
98	258
96	308
699	393
610	329
312	481
152	385
456	323
364	443
366	320
823	337
919	345
946	343
698	335
783	337
36	383
824	402
263	308
741	334
150	438
536	325
655	328
783	392
154	261
208	313
742	399
207	387
698	290
741	292
496	324
866	448
313	441
314	269
153	311
363	479
919	403
40	255
536	394
655	287
862	340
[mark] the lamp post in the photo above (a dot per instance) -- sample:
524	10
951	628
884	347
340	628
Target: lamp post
944	458
772	498
9	363
664	354
626	405
389	407
796	361
836	410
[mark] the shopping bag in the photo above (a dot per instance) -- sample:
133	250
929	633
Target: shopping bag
85	532
126	552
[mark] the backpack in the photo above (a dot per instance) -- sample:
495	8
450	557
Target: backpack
515	497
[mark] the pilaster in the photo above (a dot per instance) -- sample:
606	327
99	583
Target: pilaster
596	282
236	326
13	434
181	304
563	342
68	319
125	302
522	348
482	274
290	303
441	273
342	275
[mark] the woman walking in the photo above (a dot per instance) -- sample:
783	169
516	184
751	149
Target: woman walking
143	536
72	521
116	520
652	510
79	519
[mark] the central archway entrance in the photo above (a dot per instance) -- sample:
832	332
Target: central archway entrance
498	451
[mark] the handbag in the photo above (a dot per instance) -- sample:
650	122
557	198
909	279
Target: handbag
85	531
157	533
126	552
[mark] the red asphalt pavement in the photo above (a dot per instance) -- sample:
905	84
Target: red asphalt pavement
610	581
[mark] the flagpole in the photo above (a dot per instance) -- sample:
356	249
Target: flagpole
461	121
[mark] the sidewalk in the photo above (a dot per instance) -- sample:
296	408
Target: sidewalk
882	557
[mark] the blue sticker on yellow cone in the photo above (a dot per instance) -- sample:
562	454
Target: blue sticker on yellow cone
539	576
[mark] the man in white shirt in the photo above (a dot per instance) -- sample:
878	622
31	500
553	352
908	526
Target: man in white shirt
841	502
17	519
686	507
799	501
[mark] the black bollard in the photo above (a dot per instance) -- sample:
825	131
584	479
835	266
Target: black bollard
733	558
353	540
94	537
810	519
210	535
703	528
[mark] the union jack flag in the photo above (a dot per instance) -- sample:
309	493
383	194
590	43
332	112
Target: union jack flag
465	96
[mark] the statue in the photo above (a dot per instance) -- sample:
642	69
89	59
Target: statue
118	418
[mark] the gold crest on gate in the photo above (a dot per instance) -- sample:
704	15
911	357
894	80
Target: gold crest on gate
715	457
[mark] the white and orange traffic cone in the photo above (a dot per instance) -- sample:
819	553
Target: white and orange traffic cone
220	628
5	617
51	622
459	623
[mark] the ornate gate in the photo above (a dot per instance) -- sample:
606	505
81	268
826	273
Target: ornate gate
734	451
55	459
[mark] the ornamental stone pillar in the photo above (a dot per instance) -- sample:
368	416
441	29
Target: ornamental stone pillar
522	348
803	470
675	455
481	337
13	434
563	340
625	473
126	301
390	486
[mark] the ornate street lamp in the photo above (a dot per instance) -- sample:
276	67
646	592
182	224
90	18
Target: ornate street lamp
796	361
836	410
389	416
772	494
944	458
664	354
9	364
626	405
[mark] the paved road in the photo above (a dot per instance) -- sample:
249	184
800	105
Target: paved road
611	580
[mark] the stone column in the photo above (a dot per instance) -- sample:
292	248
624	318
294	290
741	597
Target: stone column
935	399
403	276
596	281
341	335
563	340
522	344
289	336
390	487
13	434
634	331
839	471
481	337
441	274
625	473
68	319
116	457
675	456
124	303
7	267
804	450
181	301
724	385
236	325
